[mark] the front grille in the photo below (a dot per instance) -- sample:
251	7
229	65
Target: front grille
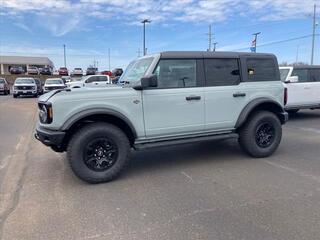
53	88
24	87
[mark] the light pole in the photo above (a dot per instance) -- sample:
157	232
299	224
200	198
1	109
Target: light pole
64	55
144	34
214	46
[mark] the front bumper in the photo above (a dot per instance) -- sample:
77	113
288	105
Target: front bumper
49	137
284	117
25	92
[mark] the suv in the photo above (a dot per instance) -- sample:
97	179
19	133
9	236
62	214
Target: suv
16	70
33	70
303	84
63	71
90	81
4	86
25	86
170	98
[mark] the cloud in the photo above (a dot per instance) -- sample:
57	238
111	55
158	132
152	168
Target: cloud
23	26
73	13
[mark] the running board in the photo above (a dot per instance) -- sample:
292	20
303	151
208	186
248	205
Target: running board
162	143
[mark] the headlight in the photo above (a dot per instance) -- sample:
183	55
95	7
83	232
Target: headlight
33	87
15	87
45	113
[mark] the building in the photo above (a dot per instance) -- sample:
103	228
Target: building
6	62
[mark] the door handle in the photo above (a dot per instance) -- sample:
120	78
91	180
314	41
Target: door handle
190	98
96	83
239	94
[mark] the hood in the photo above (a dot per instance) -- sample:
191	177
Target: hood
76	93
24	84
54	85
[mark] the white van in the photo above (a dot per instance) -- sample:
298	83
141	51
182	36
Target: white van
303	84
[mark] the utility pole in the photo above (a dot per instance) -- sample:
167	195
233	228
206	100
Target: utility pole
109	59
94	62
144	34
209	39
313	32
214	46
254	43
64	55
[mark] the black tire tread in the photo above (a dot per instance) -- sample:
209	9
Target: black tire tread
115	170
247	140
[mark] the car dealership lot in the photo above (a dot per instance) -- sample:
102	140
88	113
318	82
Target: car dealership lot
198	191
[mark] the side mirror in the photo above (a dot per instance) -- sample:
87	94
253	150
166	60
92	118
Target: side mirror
292	79
147	81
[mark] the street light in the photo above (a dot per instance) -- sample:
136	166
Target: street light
144	35
254	47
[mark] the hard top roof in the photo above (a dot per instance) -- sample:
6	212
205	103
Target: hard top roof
217	54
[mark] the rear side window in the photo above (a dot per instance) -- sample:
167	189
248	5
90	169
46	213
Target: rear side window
315	75
302	74
222	72
175	73
260	70
103	79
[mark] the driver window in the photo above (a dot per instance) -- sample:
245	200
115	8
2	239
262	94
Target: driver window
174	73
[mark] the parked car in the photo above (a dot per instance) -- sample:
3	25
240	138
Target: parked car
4	86
46	71
25	87
53	84
91	71
109	73
117	72
91	81
39	86
33	70
63	71
171	98
77	72
303	84
17	70
55	73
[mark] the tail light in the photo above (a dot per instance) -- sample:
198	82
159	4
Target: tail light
285	100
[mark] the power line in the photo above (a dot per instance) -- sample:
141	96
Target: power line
280	41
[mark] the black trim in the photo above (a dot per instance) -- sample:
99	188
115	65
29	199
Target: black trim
153	144
49	137
86	113
255	103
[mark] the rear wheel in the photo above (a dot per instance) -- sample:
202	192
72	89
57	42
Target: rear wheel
98	152
261	135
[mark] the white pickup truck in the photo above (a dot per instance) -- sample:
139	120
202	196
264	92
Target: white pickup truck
303	86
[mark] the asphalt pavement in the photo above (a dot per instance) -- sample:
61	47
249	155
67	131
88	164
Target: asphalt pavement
197	191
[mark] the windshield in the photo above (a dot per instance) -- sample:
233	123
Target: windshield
2	80
54	81
136	70
284	73
25	80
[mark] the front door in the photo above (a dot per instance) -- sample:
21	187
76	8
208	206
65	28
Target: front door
176	106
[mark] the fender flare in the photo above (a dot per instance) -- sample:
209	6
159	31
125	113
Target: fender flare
103	111
278	109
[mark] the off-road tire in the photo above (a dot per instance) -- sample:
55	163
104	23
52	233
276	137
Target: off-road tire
247	134
80	140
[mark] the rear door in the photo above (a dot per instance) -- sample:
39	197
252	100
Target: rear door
176	106
92	81
315	84
103	81
225	96
300	93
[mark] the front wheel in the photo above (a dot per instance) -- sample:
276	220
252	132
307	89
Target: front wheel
98	152
261	135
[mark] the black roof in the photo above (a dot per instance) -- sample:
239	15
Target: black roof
216	54
305	67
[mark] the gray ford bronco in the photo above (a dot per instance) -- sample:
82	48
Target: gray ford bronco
167	98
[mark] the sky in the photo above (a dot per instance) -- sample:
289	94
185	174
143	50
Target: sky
89	28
